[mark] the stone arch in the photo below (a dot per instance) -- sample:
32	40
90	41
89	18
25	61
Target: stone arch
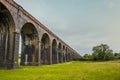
66	54
64	58
54	51
45	49
30	45
7	29
69	55
60	55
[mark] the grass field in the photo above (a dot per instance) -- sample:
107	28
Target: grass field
75	70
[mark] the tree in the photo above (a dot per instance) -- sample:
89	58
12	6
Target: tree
102	52
109	55
117	55
94	56
87	57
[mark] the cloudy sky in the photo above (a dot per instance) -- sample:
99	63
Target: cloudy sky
82	24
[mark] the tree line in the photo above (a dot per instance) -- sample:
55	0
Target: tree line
101	52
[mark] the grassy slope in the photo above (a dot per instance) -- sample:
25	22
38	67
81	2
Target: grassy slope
66	71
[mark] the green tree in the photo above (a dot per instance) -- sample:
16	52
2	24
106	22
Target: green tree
117	55
109	55
94	56
87	57
102	52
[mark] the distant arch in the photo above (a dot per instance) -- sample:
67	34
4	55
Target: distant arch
64	58
66	55
54	51
30	45
69	55
45	49
60	55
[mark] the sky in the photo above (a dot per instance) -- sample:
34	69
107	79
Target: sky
82	24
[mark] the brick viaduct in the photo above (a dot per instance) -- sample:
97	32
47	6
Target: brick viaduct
38	44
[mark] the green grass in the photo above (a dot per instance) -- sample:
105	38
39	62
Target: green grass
75	70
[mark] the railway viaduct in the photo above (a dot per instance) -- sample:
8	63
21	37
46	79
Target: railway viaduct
38	44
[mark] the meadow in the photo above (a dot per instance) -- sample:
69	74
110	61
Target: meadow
75	70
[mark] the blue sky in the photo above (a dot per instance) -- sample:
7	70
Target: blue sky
82	24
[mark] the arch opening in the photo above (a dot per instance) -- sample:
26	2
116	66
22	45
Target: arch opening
7	29
66	55
64	58
60	55
45	49
54	51
30	45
